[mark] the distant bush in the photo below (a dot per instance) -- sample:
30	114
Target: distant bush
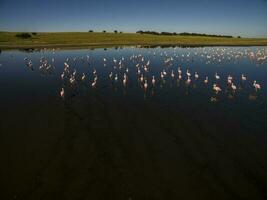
90	31
120	31
166	33
182	34
115	31
148	32
34	33
104	31
23	35
238	36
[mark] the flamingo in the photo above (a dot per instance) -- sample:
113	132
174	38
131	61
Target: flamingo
62	75
216	88
66	65
94	72
164	73
93	84
206	80
74	72
124	79
233	87
110	75
145	84
188	73
95	78
256	85
161	75
172	74
62	93
83	77
138	71
188	81
142	78
72	79
217	76
196	75
243	77
153	80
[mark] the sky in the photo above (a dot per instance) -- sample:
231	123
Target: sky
247	18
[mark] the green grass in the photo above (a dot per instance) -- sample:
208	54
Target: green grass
84	39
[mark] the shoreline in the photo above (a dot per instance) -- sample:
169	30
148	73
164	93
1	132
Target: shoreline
118	45
9	40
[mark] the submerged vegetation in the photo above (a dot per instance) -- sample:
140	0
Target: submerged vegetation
117	38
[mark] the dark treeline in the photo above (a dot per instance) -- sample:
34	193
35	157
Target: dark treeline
25	35
183	34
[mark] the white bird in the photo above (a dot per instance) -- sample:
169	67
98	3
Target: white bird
142	78
153	80
94	72
74	72
124	79
188	73
145	84
196	75
72	79
179	71
188	81
161	75
164	73
66	65
116	77
62	93
233	87
95	78
243	77
62	75
217	76
216	88
110	75
83	77
256	85
93	84
206	80
172	74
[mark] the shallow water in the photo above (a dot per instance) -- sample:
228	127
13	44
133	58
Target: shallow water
172	140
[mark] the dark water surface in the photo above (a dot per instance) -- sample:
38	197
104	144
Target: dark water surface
171	141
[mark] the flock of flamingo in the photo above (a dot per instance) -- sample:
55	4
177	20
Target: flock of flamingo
140	65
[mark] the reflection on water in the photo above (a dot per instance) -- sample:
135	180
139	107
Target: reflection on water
154	69
98	120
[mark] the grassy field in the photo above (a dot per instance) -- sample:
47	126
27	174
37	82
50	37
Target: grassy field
8	40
